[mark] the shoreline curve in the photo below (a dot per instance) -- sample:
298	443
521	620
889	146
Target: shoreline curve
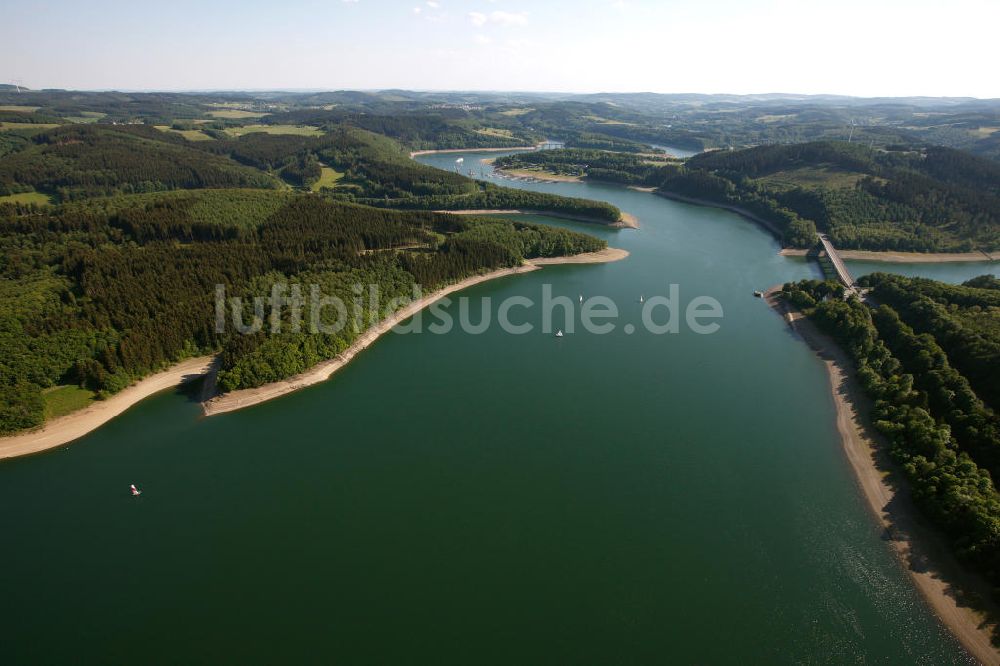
626	221
897	257
441	151
889	257
70	427
959	598
66	429
243	398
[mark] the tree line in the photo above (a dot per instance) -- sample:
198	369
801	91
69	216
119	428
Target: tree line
930	199
940	433
100	293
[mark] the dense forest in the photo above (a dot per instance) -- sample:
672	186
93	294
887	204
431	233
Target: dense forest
101	292
625	168
155	197
74	162
932	406
925	200
77	161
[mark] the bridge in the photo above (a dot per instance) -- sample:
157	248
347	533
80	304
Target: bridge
838	265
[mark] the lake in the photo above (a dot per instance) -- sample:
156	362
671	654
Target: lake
490	498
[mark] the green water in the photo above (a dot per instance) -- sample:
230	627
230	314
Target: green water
485	499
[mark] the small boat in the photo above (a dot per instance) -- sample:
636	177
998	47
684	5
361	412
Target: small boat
559	333
581	298
642	299
135	491
758	294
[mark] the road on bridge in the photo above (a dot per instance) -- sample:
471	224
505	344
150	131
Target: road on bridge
838	265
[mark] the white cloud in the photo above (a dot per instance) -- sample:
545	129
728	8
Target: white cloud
508	18
432	4
417	10
483	39
500	18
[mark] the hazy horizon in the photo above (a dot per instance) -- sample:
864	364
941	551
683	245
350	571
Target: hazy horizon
490	91
888	48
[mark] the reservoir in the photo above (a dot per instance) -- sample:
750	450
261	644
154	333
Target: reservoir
488	498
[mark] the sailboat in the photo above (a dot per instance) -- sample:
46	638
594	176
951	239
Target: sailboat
559	333
135	491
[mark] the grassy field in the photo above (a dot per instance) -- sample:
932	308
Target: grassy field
27	198
301	130
21	126
237	114
190	135
494	131
18	107
773	118
86	117
61	400
607	121
808	177
328	178
543	174
516	112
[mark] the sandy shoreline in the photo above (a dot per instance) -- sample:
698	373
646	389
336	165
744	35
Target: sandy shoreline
735	209
858	255
627	220
540	176
415	153
892	257
959	598
67	428
229	402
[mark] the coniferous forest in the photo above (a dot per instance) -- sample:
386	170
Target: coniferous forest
102	292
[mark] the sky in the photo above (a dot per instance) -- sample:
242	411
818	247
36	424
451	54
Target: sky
850	47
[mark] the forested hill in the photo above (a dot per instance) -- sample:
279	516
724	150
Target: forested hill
927	199
929	358
617	167
97	293
76	161
439	130
72	162
113	234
